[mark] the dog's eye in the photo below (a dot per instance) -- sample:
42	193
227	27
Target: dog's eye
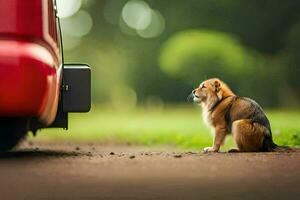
203	86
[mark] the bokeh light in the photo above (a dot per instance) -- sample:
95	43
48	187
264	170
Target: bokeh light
155	28
138	18
78	25
67	8
137	14
75	22
125	28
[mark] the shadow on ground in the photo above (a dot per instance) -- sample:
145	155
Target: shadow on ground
32	154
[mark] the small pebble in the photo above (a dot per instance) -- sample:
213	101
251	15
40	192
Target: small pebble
131	157
77	148
177	156
111	153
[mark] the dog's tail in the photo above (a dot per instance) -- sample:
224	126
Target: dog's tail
270	146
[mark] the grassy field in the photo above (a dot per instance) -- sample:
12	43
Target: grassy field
179	126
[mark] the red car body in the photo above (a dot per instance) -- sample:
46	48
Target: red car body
37	90
30	59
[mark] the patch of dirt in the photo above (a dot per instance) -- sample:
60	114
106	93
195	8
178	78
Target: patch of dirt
92	171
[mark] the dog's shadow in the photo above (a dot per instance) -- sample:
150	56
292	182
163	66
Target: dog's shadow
37	154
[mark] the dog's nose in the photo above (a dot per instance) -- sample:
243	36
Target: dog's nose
194	91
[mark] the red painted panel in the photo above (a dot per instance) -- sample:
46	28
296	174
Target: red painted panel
29	84
21	17
30	20
30	62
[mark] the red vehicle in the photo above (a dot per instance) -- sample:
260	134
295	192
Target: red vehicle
37	90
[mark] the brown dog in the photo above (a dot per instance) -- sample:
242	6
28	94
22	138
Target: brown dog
228	113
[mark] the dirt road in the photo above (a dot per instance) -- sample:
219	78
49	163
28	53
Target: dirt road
93	171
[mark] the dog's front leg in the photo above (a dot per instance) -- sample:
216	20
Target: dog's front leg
220	134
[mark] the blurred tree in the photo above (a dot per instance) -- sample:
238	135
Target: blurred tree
195	55
262	33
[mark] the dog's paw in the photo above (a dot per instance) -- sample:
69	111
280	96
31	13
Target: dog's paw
209	150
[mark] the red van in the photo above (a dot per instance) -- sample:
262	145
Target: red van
37	90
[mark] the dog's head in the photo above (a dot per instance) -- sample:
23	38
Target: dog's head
210	92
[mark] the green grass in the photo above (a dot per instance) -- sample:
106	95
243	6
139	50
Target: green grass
180	126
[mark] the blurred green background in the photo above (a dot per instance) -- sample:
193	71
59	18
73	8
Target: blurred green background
147	56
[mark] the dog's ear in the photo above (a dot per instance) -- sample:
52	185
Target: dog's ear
217	85
219	92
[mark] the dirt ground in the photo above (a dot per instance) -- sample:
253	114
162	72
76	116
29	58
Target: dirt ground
95	171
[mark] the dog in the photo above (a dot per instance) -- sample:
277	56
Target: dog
227	113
